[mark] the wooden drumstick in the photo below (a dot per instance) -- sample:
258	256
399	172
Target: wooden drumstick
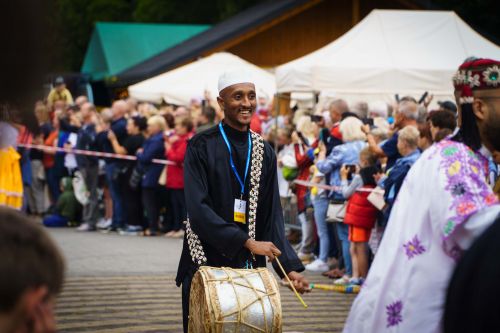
290	282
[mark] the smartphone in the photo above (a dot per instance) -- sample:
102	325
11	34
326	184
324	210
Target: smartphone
304	140
351	168
368	121
316	118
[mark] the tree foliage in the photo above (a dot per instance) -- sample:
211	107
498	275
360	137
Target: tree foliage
76	18
188	11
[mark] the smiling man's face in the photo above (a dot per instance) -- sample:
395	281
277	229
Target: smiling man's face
238	102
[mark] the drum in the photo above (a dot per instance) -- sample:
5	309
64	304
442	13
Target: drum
234	300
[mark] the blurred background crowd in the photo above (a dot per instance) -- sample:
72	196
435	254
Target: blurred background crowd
340	167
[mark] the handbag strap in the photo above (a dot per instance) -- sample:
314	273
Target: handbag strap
194	243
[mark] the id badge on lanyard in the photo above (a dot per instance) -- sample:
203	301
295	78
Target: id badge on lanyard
240	210
240	205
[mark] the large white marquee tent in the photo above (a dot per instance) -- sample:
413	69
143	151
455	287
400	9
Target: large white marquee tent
389	52
182	84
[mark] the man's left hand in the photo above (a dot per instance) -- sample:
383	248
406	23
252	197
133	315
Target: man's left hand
299	282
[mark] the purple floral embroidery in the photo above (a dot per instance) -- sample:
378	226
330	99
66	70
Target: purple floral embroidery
414	247
394	316
464	173
465	181
458	189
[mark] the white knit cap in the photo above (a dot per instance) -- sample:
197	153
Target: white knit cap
234	77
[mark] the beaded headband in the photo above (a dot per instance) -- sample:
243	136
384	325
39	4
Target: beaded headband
477	74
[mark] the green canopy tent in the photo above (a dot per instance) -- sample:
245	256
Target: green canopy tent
114	47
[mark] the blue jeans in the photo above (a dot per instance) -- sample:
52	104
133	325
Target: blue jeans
320	209
55	220
334	251
116	196
343	233
53	180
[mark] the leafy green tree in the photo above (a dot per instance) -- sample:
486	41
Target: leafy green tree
188	11
76	20
154	11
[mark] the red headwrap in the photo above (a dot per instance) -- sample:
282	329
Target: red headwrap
476	74
473	74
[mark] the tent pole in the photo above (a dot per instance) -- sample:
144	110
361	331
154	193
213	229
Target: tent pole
276	108
355	12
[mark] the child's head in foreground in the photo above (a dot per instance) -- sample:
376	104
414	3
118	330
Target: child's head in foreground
31	275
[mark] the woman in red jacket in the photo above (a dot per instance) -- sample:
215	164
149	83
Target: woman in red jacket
175	147
360	214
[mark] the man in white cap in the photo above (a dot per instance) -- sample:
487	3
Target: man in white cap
232	195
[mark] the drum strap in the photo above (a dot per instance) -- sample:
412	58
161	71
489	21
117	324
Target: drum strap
195	247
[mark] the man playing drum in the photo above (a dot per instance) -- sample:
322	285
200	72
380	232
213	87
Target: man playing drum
228	171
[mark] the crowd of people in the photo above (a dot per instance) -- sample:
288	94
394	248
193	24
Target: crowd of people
352	173
356	150
336	146
142	196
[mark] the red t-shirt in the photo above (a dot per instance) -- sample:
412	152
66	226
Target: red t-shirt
335	131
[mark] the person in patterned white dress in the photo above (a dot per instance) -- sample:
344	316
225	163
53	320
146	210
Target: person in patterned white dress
443	206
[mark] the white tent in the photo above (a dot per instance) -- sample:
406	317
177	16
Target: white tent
389	52
182	84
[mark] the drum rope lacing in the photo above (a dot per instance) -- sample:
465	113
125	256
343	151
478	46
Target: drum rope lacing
195	247
259	298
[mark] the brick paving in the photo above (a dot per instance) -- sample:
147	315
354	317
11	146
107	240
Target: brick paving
126	284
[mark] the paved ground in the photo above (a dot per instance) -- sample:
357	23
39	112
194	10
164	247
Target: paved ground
98	254
122	284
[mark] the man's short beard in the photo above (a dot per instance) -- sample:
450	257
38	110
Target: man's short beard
492	128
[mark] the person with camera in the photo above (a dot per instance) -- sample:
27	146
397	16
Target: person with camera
149	172
118	124
408	148
88	165
304	162
346	153
360	214
406	114
131	196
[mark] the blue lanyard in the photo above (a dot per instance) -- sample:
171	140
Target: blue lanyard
242	183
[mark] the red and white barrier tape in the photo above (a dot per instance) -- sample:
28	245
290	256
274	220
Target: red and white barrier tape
90	153
328	187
